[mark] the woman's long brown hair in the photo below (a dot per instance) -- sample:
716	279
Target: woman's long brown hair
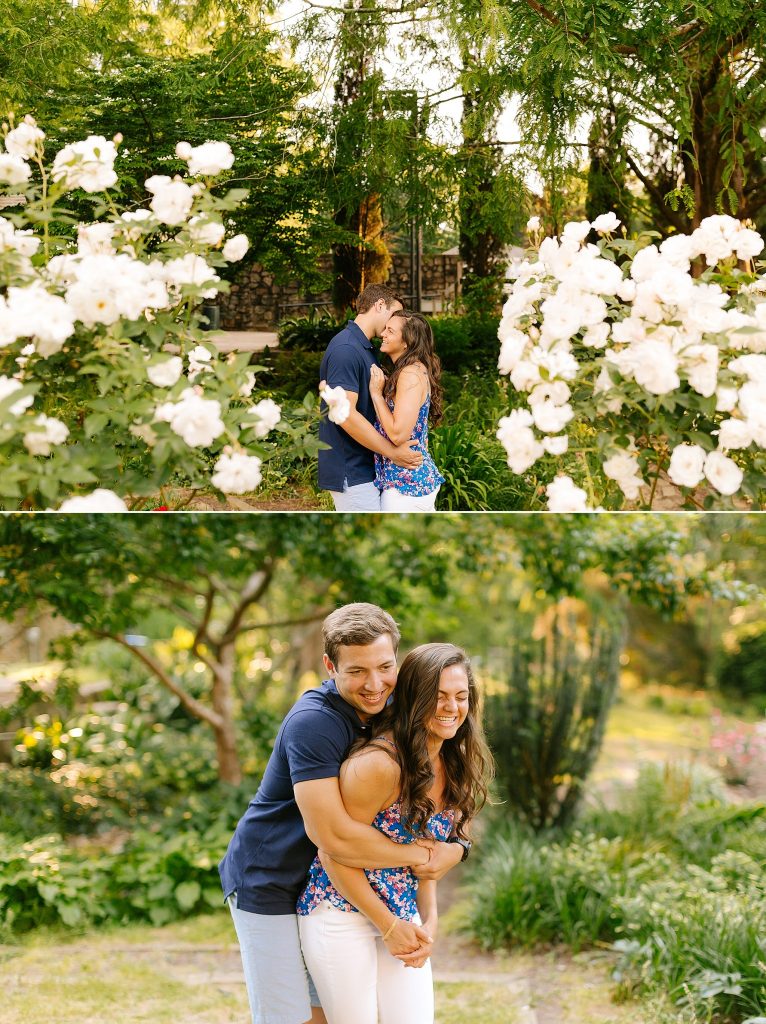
466	757
419	338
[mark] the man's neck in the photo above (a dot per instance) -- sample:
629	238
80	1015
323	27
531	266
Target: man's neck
364	325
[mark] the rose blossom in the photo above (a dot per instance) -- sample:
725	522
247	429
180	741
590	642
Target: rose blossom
23	140
99	500
235	248
236	473
686	467
565	496
606	223
13	169
267	414
208	159
623	468
173	199
734	434
7	386
166	373
194	418
53	431
723	473
88	165
338	405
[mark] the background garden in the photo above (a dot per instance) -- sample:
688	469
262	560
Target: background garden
144	672
361	132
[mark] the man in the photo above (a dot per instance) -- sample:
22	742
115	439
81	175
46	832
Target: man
347	467
298	808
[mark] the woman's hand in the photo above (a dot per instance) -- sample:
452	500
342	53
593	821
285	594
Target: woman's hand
408	938
377	380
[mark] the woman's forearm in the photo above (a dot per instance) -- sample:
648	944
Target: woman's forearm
353	885
384	414
426	900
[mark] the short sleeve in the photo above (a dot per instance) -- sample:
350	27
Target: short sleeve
345	368
314	745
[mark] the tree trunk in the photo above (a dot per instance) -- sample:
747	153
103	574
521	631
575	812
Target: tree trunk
229	769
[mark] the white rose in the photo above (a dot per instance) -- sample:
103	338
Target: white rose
88	165
533	224
556	445
194	418
247	388
686	467
723	473
94	239
192	269
183	150
235	248
35	313
748	244
550	418
23	140
726	399
172	200
576	230
516	436
596	336
205	231
511	351
53	431
236	473
7	386
700	363
338	405
13	169
99	500
623	468
655	366
210	158
565	496
166	373
734	434
267	414
606	223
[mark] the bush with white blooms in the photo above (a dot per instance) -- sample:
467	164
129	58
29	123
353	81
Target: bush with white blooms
109	388
639	362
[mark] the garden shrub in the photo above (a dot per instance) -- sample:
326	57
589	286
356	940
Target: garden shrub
742	673
673	879
465	343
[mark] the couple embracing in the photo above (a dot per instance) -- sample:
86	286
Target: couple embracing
378	459
365	803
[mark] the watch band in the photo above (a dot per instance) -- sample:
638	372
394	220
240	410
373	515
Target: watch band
465	843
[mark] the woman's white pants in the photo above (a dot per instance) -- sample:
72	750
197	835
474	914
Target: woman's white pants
357	979
392	500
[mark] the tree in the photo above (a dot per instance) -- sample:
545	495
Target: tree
688	73
216	576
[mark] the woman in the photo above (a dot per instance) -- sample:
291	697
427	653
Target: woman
422	774
402	404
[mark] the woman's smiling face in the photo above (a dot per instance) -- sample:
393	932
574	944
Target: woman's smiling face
392	342
451	705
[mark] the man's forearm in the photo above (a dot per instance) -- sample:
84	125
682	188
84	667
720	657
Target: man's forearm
362	430
362	846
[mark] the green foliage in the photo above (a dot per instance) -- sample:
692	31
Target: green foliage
472	465
546	729
466	343
742	672
683	914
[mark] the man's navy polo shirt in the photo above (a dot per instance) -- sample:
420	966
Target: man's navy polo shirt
270	854
346	363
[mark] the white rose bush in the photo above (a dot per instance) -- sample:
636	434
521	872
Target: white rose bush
109	388
634	362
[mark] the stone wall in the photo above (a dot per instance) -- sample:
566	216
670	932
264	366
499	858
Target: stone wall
257	302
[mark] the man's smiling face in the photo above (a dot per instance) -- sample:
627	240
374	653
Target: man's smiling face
365	675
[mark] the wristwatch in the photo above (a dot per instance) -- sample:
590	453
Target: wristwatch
465	843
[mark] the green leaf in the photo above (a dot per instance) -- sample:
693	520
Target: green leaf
187	894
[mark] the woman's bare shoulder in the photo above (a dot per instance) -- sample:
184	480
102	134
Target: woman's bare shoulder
373	765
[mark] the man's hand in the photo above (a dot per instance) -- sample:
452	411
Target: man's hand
406	456
444	857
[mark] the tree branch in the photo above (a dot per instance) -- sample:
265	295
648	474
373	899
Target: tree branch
192	705
205	620
253	590
652	189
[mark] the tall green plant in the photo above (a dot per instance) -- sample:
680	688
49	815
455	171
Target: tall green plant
546	729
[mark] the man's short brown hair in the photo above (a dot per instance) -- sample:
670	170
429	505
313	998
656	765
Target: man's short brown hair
374	293
357	625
